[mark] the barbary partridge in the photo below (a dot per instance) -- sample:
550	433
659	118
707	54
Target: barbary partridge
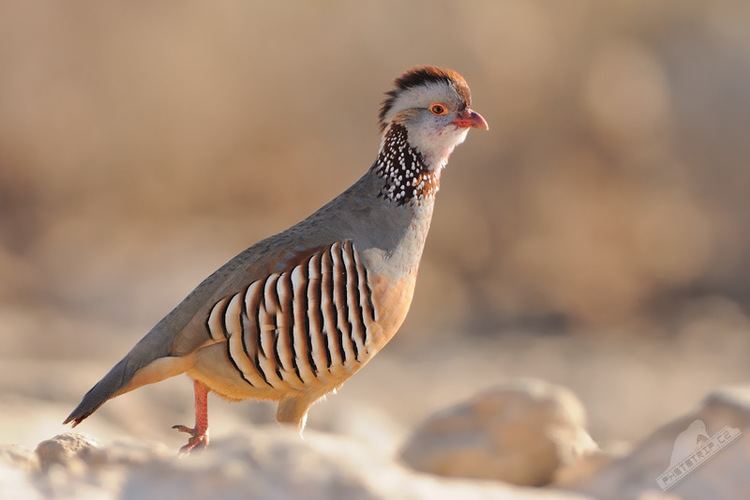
295	315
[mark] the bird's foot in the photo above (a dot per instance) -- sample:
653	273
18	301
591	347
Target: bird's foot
198	438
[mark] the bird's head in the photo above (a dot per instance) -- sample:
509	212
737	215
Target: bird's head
434	106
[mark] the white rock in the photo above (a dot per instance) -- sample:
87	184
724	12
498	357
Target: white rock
15	483
66	449
18	457
725	476
269	463
520	432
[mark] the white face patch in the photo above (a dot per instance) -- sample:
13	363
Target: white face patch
436	144
422	96
434	136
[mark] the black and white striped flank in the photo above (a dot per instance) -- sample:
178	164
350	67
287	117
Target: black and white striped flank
299	328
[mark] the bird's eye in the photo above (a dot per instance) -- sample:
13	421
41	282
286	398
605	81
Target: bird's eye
438	109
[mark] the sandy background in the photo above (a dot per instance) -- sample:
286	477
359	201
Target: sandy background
597	237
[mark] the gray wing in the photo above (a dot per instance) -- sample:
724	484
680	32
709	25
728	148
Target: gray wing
166	350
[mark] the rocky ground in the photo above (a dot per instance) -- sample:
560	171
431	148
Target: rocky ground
525	439
456	417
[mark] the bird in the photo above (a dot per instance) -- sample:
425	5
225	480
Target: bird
294	316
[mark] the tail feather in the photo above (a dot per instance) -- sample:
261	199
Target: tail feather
131	372
104	390
148	362
167	350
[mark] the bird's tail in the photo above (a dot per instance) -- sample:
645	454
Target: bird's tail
104	390
145	364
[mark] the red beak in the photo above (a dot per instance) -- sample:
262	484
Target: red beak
470	119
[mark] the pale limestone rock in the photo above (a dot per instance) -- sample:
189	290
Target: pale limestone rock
16	483
520	432
269	462
18	457
66	449
584	468
725	476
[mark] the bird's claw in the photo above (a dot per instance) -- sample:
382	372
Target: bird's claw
198	439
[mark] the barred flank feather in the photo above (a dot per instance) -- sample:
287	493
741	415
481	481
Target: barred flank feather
296	329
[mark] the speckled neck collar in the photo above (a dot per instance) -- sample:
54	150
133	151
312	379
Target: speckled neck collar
408	180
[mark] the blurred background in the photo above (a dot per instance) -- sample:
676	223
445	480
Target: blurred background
598	236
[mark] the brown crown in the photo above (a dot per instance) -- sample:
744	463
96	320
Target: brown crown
424	75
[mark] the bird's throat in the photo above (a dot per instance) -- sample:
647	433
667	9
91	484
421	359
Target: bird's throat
408	180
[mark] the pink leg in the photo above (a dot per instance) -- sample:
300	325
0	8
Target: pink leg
199	433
